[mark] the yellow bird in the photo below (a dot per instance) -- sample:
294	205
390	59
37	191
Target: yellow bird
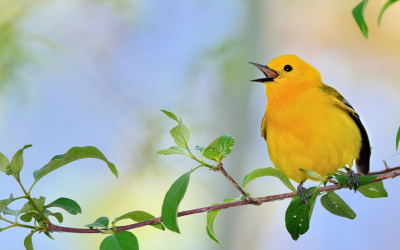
308	124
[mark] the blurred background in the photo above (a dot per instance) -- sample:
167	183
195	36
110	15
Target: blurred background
97	72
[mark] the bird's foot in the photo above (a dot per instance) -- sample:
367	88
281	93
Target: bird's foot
253	201
301	191
352	175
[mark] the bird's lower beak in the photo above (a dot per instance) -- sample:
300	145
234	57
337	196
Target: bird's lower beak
270	75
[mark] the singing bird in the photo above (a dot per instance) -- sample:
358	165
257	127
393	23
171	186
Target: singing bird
308	124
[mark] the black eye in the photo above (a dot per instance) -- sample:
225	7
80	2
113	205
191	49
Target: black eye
288	68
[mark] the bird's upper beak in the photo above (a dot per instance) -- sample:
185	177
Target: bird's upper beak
270	75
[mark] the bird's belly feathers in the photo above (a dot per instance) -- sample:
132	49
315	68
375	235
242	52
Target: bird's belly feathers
316	135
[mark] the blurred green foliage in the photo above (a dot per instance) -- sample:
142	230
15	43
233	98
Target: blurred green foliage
358	14
12	54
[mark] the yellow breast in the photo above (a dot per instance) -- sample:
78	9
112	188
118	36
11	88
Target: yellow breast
306	130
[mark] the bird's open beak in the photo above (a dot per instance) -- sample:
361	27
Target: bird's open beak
270	75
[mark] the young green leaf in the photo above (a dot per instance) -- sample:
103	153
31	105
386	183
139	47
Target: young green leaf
172	150
25	208
385	6
39	202
211	218
67	204
58	216
28	241
362	180
199	148
212	237
99	223
170	115
28	216
49	235
373	190
8	211
267	172
73	154
39	221
139	216
358	14
312	174
334	204
123	240
181	135
172	200
4	162
298	215
17	162
6	202
219	148
397	139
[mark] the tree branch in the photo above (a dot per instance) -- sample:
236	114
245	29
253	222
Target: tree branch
386	174
249	199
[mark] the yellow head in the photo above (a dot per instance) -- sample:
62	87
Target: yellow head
288	73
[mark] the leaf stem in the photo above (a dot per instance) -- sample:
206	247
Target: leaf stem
26	226
27	196
30	189
201	165
5	228
18	198
4	219
14	224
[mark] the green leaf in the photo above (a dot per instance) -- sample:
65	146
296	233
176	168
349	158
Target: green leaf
373	190
219	148
212	236
211	215
173	198
170	115
298	215
67	204
4	162
397	139
123	240
267	172
172	150
58	216
362	180
199	148
39	221
139	216
358	14
28	216
39	202
312	174
6	202
25	208
334	204
28	241
10	211
100	222
385	6
49	235
181	135
17	162
73	154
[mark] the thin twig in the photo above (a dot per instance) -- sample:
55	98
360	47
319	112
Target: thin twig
392	173
385	171
249	199
221	169
386	166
